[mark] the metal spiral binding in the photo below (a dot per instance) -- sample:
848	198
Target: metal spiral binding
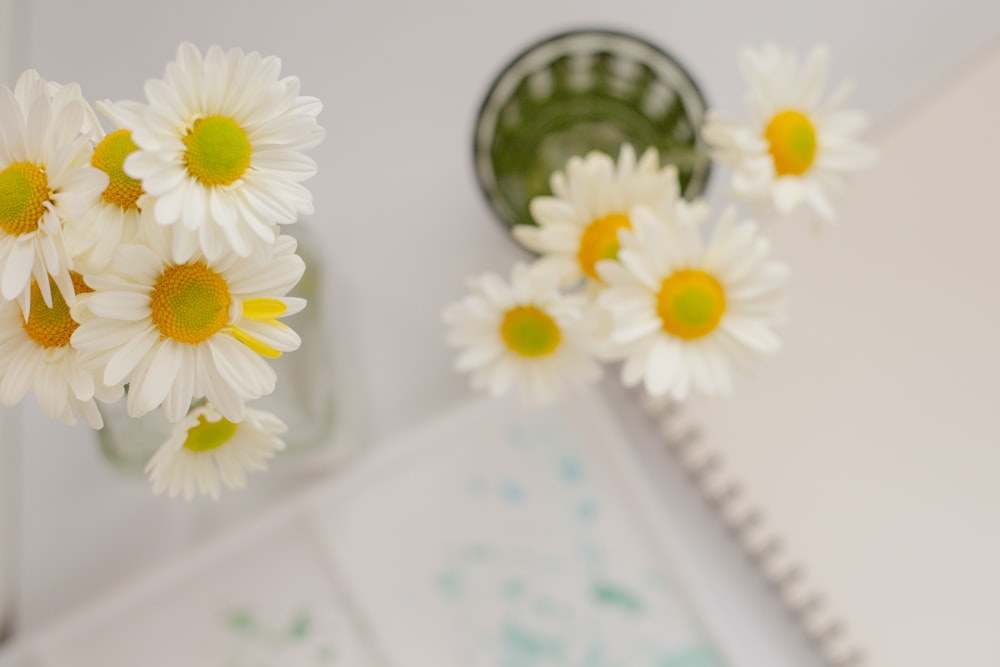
747	524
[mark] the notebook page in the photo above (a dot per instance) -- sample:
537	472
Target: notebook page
871	445
264	599
514	537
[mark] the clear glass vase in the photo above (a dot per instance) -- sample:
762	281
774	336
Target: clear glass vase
304	397
581	91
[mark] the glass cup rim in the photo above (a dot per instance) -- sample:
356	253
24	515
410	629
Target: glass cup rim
518	67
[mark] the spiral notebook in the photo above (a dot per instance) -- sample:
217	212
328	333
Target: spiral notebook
862	466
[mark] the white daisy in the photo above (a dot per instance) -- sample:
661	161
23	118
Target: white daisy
683	311
221	144
45	181
523	335
206	451
35	353
113	218
578	226
175	332
796	147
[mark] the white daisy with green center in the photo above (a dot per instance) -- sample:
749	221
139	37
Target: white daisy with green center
796	147
523	336
179	331
46	180
115	217
206	452
683	311
578	225
220	148
36	354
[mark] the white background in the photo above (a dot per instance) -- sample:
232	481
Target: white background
400	218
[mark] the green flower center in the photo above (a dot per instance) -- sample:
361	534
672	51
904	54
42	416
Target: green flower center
24	189
218	151
190	303
206	436
530	332
792	140
109	156
690	304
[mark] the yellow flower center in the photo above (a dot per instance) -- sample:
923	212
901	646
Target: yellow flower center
600	241
24	190
690	304
109	156
52	327
793	142
190	303
218	151
206	436
530	332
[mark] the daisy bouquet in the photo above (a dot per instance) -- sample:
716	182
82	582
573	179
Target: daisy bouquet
629	271
142	254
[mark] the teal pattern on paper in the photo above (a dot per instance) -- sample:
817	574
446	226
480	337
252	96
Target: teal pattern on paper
566	595
611	595
255	643
522	647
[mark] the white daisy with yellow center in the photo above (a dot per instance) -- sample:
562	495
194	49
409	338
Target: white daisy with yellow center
684	311
523	335
46	180
578	225
115	217
206	452
220	148
796	147
179	331
35	353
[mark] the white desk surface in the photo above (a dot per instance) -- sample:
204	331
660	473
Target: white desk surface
403	224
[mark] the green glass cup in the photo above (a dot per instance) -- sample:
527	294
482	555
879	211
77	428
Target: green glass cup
577	92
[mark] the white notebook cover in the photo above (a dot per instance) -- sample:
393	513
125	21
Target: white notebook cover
867	455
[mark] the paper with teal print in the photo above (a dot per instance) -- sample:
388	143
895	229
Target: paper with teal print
508	538
269	602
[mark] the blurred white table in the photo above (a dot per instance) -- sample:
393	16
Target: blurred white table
403	224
